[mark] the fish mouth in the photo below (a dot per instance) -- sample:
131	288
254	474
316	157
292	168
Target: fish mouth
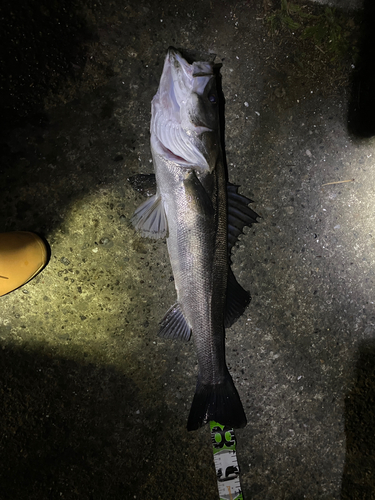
194	76
175	128
197	68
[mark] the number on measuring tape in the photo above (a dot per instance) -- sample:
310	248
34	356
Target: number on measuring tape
226	465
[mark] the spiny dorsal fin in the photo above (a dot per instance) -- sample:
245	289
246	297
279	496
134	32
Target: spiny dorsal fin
239	214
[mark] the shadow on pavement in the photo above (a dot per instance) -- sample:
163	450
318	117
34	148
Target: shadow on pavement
361	111
359	471
42	45
65	428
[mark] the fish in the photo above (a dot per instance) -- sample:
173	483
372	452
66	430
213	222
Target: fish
201	214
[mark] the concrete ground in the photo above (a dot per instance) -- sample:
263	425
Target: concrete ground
93	404
342	4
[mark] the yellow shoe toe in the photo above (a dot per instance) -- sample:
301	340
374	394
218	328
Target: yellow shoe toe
22	256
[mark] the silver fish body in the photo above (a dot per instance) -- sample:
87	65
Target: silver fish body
191	208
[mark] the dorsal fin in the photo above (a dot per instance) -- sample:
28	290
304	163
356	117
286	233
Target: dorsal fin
237	299
239	214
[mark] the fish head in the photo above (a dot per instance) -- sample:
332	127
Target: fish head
185	116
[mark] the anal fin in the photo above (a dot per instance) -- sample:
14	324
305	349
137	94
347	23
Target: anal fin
174	324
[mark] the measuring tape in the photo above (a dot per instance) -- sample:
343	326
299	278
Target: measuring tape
226	465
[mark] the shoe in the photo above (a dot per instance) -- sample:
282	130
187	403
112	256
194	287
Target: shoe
22	256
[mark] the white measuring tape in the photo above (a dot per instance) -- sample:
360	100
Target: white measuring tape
226	465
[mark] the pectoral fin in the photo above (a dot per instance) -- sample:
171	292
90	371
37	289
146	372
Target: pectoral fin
149	219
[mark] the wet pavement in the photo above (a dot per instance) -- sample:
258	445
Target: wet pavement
94	404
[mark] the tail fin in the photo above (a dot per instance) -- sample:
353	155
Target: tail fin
219	402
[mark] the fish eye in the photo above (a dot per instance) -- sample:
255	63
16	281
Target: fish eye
212	98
